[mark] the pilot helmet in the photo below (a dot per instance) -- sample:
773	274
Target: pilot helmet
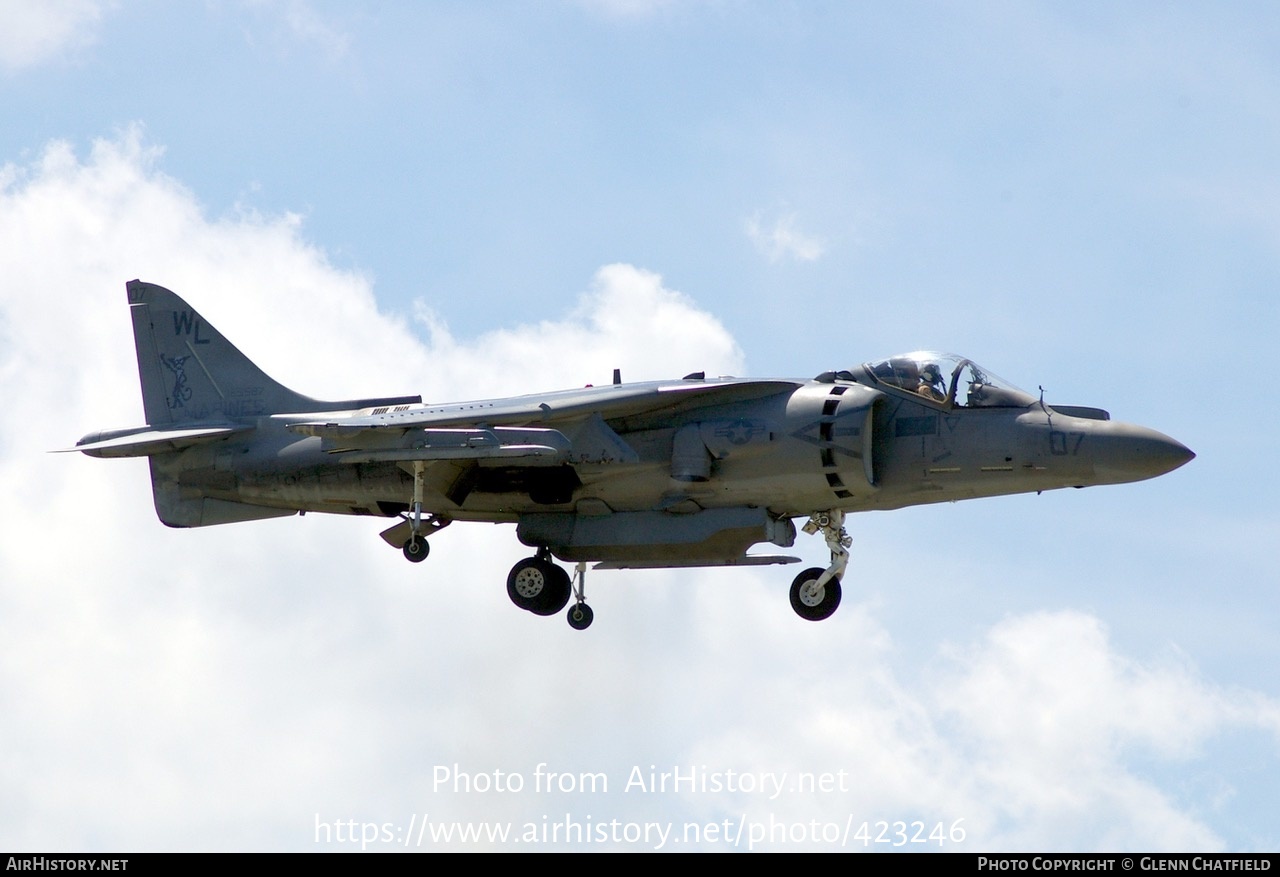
930	374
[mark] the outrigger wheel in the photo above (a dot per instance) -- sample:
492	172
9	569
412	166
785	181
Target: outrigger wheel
416	548
580	616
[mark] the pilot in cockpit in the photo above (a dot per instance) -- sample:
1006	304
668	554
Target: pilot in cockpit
931	385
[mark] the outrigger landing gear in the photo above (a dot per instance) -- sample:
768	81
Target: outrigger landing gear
580	614
815	593
416	547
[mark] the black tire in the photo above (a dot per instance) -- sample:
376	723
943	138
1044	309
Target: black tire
814	607
528	580
556	595
580	616
416	549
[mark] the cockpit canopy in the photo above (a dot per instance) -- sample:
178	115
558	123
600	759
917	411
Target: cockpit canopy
947	379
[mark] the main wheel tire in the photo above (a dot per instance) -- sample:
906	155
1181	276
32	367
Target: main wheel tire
416	549
556	595
528	581
580	616
813	606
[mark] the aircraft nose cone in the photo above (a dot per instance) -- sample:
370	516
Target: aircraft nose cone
1134	453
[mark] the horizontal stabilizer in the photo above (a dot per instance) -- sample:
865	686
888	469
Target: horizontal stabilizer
145	441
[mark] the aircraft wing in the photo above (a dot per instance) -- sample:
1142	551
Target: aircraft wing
528	428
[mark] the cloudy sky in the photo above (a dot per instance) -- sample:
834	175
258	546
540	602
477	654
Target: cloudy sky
464	199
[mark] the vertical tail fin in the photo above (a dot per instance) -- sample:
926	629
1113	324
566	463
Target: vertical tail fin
191	373
199	390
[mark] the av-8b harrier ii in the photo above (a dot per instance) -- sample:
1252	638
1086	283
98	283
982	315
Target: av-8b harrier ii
679	473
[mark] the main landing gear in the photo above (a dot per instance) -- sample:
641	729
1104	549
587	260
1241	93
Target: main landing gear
815	593
537	585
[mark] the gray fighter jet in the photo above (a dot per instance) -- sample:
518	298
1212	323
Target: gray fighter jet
679	473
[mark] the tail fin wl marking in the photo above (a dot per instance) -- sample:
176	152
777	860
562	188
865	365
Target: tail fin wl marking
186	322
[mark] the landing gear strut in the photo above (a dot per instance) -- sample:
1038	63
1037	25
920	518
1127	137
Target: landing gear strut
815	593
537	585
580	614
416	547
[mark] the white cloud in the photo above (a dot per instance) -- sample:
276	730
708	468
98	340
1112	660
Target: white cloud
248	663
783	239
627	320
304	24
222	688
1049	713
34	31
1022	740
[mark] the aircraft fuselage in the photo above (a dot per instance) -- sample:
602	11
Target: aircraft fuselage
690	472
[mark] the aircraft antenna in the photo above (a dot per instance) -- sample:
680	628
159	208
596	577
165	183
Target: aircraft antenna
617	376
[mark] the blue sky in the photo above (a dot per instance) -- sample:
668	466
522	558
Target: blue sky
466	199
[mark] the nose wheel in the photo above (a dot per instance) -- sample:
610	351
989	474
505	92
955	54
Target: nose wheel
815	593
812	599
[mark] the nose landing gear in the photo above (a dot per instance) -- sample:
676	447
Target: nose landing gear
815	593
